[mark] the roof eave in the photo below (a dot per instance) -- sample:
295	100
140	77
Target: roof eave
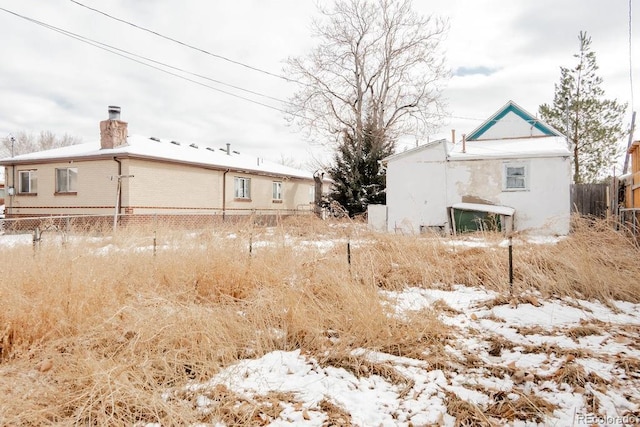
507	156
413	150
127	155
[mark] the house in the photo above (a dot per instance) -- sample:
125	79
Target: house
510	173
2	193
628	186
138	178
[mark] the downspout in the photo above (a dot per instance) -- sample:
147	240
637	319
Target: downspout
450	216
6	190
119	200
224	194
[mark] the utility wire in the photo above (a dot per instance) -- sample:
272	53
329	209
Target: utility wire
186	44
630	57
132	57
213	54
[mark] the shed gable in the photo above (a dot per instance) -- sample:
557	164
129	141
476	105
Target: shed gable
512	121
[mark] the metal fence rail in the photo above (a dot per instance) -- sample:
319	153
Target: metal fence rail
629	218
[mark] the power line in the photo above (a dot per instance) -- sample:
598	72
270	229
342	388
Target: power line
630	56
287	79
124	54
186	44
132	57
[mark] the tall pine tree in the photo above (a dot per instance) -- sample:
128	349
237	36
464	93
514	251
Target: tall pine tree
359	179
593	124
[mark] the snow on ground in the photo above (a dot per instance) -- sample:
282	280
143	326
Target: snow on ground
580	357
560	362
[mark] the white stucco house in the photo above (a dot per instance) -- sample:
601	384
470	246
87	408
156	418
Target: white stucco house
512	173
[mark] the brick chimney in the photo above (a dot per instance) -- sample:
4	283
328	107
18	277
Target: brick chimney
113	132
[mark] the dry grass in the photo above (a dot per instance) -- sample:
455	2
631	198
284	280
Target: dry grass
582	331
595	262
527	407
233	409
466	413
497	343
571	374
336	416
629	364
94	330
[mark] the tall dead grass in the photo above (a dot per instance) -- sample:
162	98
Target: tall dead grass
594	262
93	330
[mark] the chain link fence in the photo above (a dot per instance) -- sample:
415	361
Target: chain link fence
80	223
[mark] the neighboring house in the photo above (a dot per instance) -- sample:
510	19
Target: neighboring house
629	188
2	193
632	189
511	173
147	177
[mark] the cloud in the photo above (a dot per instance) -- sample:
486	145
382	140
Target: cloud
498	49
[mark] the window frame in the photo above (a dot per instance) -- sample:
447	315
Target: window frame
524	178
312	194
69	189
33	179
276	191
242	188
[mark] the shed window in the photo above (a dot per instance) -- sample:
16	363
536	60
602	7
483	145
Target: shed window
516	176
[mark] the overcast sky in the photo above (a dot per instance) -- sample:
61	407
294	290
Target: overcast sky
497	50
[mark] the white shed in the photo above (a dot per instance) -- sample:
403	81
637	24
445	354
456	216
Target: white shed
513	169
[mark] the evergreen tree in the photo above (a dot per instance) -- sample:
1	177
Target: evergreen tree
593	124
375	76
359	179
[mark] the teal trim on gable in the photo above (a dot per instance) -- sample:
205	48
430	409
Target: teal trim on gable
512	108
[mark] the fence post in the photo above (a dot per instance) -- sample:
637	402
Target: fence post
511	265
37	235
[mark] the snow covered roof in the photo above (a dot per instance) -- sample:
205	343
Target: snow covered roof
163	150
415	149
548	146
515	148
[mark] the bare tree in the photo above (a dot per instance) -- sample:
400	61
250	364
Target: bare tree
23	142
377	63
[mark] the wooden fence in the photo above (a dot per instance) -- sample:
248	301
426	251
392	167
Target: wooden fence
591	199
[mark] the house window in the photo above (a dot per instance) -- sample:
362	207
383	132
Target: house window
312	193
242	188
28	183
66	180
277	190
516	176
